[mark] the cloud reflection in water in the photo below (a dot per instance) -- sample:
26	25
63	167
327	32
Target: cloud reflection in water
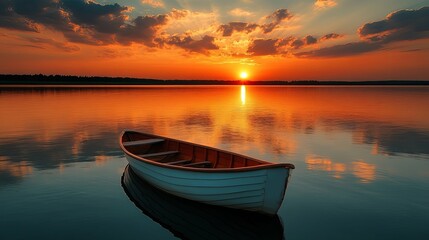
50	128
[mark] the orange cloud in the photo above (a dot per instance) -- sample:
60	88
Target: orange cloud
238	12
364	171
195	24
16	169
74	26
154	3
323	4
325	164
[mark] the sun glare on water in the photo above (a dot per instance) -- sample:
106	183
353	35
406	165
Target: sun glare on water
243	94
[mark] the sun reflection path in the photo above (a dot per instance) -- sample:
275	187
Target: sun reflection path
243	94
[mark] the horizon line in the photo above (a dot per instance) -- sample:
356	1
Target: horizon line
57	79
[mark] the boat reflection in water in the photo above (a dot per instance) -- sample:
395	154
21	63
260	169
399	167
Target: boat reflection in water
193	220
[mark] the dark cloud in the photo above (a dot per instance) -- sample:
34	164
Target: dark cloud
46	12
81	21
398	26
286	41
390	139
228	29
348	49
276	18
188	43
260	47
143	30
299	43
269	27
97	24
53	14
30	151
309	40
330	36
11	20
102	18
280	15
89	22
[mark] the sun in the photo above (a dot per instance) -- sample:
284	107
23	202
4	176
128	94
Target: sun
244	75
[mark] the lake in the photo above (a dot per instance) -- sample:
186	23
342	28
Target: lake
361	157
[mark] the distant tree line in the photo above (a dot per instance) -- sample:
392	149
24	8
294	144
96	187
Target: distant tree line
40	79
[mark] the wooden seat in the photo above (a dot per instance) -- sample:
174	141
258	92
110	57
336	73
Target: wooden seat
178	162
159	154
143	142
197	164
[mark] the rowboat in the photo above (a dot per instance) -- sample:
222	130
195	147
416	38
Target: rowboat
206	174
190	220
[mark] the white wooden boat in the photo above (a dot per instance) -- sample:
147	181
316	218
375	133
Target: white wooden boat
190	220
206	174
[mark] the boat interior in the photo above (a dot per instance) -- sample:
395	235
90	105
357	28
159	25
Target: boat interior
175	152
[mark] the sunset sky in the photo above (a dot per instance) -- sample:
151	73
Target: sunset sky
217	39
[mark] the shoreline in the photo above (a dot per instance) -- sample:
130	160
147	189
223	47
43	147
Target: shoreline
10	80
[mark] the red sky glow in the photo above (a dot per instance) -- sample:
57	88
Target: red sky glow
194	39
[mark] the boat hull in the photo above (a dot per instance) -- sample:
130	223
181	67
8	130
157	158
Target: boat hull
193	220
260	190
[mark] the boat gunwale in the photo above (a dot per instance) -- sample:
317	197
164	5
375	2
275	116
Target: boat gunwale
264	165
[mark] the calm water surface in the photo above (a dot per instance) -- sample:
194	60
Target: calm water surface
361	157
